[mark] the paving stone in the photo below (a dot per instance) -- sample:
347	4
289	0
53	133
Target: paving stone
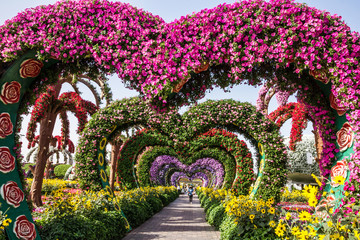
180	220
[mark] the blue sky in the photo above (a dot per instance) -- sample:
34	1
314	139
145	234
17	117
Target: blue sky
170	10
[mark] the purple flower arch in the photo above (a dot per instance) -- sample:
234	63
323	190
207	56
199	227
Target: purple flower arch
163	163
176	176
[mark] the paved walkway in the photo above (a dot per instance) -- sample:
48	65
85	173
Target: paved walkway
180	220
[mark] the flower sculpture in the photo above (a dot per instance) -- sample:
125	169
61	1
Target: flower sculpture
24	229
12	194
161	164
7	161
243	42
30	68
10	92
6	126
175	177
345	137
299	115
339	170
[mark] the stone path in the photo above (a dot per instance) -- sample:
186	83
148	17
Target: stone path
180	220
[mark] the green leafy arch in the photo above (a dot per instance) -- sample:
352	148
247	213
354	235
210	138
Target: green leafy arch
171	129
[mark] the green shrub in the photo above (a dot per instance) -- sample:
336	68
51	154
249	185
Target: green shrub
134	214
205	200
155	203
165	199
60	170
201	196
216	216
103	225
208	203
232	231
147	210
229	229
209	210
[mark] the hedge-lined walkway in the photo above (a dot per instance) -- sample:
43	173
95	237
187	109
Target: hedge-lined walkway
180	220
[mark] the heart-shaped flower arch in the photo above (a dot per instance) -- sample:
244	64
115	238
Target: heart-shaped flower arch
226	45
221	145
186	134
208	164
144	163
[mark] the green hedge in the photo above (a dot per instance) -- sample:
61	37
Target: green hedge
216	216
60	170
103	221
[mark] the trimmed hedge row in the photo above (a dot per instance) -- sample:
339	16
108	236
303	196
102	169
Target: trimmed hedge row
94	216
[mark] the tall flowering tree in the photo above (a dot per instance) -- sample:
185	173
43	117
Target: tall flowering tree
56	148
296	111
47	108
266	93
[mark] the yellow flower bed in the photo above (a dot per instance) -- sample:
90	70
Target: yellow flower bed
50	185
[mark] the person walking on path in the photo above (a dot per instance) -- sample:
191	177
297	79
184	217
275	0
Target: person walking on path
190	193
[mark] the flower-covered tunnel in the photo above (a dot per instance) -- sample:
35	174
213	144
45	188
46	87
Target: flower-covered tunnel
185	143
172	64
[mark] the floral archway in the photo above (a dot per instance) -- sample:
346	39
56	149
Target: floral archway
244	42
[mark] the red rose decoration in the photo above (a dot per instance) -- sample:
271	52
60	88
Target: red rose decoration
345	137
340	169
12	194
320	209
10	92
30	68
319	75
334	103
7	161
6	126
24	229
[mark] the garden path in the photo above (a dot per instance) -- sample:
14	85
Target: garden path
180	220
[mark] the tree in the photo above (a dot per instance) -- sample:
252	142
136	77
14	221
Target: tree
296	111
55	149
52	104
